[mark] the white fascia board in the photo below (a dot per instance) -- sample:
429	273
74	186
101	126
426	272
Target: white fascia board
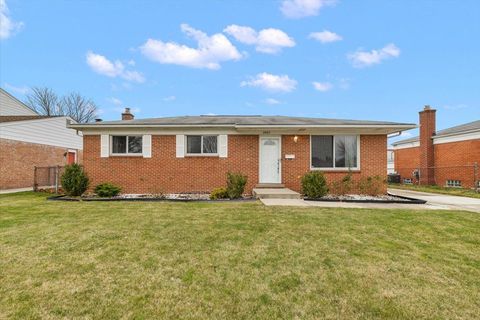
407	145
472	135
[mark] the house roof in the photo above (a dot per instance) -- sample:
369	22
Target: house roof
236	121
460	129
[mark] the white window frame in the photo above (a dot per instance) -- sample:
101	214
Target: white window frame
128	154
357	168
453	183
201	154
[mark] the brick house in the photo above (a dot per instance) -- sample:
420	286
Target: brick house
448	157
28	139
194	153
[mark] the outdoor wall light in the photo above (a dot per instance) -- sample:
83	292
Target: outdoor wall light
295	139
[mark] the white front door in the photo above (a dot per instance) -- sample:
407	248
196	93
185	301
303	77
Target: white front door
270	156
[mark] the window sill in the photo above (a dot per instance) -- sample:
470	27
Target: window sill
336	169
196	155
126	155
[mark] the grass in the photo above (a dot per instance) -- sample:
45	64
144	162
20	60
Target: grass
436	189
144	260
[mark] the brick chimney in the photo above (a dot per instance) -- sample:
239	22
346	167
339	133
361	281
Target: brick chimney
427	155
127	115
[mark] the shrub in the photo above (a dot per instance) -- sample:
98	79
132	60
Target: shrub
314	185
107	190
343	186
235	185
74	180
219	193
371	185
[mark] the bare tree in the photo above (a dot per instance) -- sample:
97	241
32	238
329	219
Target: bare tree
79	108
46	102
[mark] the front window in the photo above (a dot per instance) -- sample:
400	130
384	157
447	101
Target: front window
126	144
334	152
202	144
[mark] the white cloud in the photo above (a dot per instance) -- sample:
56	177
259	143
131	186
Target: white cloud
303	8
210	52
169	98
101	65
271	82
134	76
325	36
344	83
361	59
266	40
20	90
132	110
322	86
8	27
272	101
455	106
115	101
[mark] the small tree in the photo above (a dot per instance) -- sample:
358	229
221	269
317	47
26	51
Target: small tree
314	185
235	185
74	180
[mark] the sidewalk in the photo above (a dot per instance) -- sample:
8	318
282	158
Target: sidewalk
6	191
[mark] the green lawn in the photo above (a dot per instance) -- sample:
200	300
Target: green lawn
436	189
105	260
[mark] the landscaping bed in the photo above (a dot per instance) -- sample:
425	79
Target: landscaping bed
358	198
181	197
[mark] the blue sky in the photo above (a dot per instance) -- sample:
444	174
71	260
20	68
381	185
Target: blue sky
376	60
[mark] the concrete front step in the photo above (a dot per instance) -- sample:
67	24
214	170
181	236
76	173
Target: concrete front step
275	193
270	185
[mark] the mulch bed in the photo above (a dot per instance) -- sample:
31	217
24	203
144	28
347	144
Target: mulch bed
146	197
388	198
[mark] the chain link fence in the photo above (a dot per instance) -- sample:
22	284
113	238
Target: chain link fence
47	178
464	176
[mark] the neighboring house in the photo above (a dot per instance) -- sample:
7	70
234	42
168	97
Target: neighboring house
448	157
28	140
390	161
194	153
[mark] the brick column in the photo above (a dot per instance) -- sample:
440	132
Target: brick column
427	150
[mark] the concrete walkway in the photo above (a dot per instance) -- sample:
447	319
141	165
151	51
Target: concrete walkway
443	200
434	202
15	190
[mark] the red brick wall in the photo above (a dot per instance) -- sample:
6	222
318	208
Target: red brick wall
407	160
166	173
373	160
18	159
455	160
452	161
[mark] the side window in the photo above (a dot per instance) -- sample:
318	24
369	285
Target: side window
205	144
126	144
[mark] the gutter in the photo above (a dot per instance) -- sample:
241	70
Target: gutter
100	126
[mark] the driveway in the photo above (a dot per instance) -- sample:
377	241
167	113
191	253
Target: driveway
434	202
442	200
